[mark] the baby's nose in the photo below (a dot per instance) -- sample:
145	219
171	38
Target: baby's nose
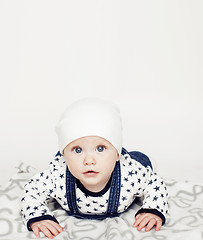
89	160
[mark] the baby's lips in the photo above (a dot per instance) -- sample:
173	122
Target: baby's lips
90	171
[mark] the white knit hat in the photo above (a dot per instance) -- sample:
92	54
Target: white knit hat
90	117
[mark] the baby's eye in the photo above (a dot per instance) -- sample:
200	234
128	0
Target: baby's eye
78	150
100	148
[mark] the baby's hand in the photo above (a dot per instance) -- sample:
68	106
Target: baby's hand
50	228
149	220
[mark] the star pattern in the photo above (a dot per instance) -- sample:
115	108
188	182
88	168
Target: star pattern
156	188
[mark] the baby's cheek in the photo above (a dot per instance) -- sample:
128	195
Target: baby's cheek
75	167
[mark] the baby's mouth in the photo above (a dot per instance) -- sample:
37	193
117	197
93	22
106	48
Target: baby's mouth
90	173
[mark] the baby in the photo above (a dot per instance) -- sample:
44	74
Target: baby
92	176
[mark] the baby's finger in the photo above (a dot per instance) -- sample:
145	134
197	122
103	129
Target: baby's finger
150	224
143	223
35	230
46	231
57	226
138	220
158	225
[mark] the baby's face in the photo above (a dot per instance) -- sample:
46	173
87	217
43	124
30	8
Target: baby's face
91	160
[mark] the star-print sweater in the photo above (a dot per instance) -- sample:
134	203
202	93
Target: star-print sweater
137	180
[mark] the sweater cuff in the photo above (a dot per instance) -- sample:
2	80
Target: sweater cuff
154	211
41	218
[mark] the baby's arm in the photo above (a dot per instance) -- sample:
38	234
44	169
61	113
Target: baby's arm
34	202
50	228
155	203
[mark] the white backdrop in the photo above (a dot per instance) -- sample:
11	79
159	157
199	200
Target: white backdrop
146	56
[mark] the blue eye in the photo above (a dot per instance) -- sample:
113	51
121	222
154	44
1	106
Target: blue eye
77	150
100	148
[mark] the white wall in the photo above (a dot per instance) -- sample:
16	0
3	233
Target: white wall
146	56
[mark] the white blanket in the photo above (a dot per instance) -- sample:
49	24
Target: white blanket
185	220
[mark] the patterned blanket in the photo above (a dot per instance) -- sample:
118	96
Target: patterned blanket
185	220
